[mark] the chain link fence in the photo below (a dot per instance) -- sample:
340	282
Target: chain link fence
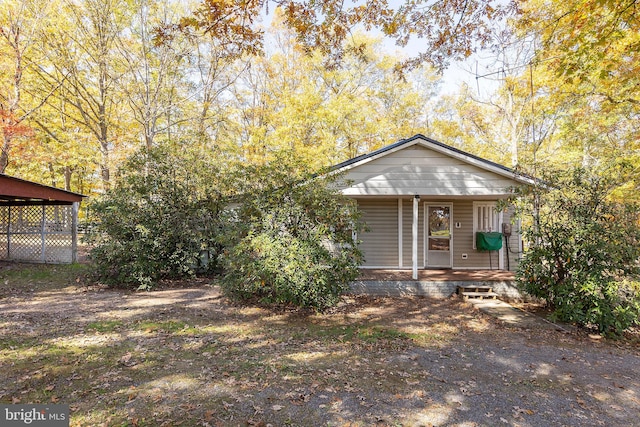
38	233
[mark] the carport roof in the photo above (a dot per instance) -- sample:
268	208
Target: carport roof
15	191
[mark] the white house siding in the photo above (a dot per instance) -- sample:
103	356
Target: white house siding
463	241
380	242
463	236
419	170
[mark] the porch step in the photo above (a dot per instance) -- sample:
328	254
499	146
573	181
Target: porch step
479	295
474	288
476	291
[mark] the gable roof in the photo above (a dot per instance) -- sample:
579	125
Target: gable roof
437	146
15	190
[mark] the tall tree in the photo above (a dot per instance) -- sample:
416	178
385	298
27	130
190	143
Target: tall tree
592	44
589	61
84	59
512	126
290	100
62	152
21	22
154	72
449	29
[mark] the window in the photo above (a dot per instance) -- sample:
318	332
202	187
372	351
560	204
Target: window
485	218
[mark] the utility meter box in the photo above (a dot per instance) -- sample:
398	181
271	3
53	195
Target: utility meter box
488	241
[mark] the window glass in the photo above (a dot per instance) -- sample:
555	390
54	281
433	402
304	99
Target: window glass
439	221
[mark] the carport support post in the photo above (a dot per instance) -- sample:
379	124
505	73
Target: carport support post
74	231
43	234
414	236
9	231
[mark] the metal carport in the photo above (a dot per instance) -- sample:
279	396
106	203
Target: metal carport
38	223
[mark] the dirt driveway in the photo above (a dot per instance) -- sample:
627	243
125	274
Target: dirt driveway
188	357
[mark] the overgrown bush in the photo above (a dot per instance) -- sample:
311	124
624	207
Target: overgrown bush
292	241
164	210
585	252
285	238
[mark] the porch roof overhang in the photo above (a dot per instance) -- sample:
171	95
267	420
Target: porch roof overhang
430	197
16	192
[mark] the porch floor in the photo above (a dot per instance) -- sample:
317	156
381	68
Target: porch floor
437	275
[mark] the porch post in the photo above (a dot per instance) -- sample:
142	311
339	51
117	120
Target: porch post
414	236
400	233
501	251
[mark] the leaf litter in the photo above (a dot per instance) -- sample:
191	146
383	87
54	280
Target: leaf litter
186	356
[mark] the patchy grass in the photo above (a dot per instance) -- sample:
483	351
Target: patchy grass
353	333
104	325
168	326
186	357
39	277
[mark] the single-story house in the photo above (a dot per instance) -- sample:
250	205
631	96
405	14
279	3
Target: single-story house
426	204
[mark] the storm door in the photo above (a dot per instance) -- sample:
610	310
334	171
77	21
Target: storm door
438	246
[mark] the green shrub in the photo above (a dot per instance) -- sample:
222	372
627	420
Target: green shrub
585	245
292	241
155	222
286	238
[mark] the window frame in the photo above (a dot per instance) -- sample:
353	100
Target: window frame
491	207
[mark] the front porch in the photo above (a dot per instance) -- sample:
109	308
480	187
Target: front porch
432	283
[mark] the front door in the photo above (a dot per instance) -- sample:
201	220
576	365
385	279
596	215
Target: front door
438	234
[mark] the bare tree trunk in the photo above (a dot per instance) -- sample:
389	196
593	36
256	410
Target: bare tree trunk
12	36
4	155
